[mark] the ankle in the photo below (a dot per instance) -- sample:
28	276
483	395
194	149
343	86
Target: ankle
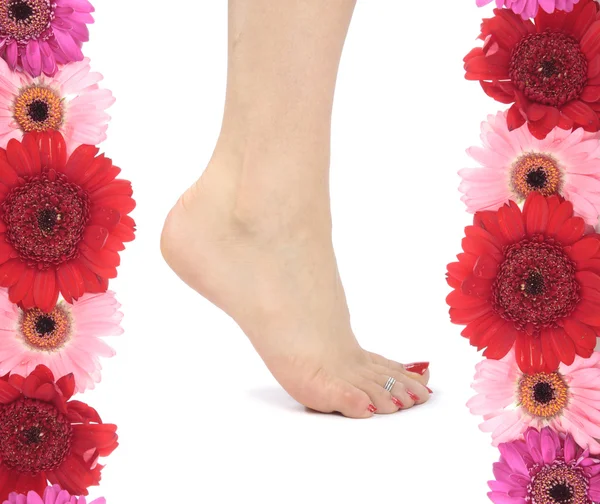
267	190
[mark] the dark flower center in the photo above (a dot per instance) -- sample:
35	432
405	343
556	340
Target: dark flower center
537	178
535	285
535	172
20	10
543	395
44	325
561	493
24	20
549	68
45	219
559	483
46	331
34	436
38	110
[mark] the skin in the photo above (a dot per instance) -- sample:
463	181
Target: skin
254	234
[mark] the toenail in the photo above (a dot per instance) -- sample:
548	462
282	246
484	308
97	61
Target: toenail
397	402
417	367
414	397
372	408
429	390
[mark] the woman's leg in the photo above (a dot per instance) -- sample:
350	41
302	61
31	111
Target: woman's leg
253	235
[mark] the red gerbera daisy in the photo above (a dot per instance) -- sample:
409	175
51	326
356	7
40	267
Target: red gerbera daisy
548	68
532	278
63	221
45	438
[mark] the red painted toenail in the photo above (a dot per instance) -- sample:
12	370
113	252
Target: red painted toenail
429	390
372	408
417	367
414	397
397	402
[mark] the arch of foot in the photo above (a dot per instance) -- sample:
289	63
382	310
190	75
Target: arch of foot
64	222
526	284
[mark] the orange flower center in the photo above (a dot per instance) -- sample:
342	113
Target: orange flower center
535	172
46	331
38	108
543	395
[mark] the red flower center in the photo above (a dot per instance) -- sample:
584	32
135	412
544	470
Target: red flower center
535	285
549	68
23	20
559	483
45	219
34	436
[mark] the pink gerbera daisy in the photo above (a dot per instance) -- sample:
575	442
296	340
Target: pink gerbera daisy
545	468
567	400
52	495
529	8
66	339
36	35
70	102
515	163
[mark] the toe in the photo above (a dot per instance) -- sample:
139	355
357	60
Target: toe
337	395
409	392
418	371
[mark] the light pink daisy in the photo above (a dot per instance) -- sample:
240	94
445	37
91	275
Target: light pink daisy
567	401
71	102
514	164
66	339
36	35
529	8
52	495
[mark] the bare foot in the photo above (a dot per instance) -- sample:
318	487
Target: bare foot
274	271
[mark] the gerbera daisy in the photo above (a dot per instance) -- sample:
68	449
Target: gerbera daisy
66	340
52	495
63	220
36	35
70	102
532	278
529	8
515	163
45	437
567	400
548	69
545	468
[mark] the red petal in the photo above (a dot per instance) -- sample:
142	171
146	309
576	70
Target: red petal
105	217
591	94
582	115
563	345
70	282
19	159
461	317
486	267
457	299
514	119
23	285
536	214
549	356
494	89
8	393
8	175
571	231
559	217
95	237
590	43
583	249
6	251
80	160
588	279
581	334
588	312
484	332
45	291
510	221
10	273
502	342
475	286
67	385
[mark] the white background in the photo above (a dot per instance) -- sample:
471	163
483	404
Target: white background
200	418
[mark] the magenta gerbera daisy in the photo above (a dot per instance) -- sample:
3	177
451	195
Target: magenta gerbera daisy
529	8
566	400
52	495
66	340
545	468
70	102
516	163
37	35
